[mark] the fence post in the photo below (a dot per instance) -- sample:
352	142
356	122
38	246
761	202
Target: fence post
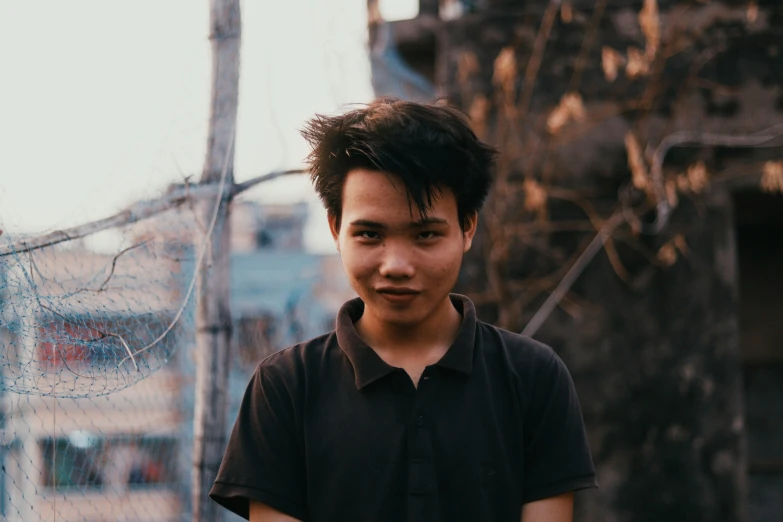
213	313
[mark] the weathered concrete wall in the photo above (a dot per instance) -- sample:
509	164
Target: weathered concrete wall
656	357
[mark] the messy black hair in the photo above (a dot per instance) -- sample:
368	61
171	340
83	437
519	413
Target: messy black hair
429	147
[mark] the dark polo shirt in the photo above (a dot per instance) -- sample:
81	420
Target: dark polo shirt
328	431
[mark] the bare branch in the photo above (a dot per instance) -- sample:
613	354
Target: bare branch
241	187
103	286
573	273
137	212
134	213
530	228
587	45
677	139
533	65
34	269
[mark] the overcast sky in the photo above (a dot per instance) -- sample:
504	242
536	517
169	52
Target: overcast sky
105	102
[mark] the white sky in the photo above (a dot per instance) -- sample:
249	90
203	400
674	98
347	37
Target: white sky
105	102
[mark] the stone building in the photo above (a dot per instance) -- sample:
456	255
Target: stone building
672	332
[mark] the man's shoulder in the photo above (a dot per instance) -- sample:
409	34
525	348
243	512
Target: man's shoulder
531	364
522	355
519	348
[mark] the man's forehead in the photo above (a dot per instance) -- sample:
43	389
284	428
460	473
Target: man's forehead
382	198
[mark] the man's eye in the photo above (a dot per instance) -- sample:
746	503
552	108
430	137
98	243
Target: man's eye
428	234
367	234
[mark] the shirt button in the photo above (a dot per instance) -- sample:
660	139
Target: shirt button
420	421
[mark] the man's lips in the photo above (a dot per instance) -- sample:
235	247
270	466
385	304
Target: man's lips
398	295
396	291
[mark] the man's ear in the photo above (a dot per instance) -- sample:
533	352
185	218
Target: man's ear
334	228
469	230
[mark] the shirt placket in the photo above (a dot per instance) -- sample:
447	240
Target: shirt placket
422	484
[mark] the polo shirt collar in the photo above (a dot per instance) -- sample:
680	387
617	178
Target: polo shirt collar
368	365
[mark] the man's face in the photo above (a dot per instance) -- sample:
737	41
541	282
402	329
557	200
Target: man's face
402	265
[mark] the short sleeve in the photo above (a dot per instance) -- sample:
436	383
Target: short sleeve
557	455
263	460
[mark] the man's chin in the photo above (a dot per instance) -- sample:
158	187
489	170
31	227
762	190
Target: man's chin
398	315
401	314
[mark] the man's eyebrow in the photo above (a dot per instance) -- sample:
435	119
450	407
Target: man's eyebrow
366	223
426	222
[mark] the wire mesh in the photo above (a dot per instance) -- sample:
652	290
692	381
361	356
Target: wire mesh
76	323
98	367
96	412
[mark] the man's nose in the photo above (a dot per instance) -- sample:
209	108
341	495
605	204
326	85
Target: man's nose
397	262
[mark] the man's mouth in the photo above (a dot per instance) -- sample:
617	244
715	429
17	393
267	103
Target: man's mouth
396	290
398	295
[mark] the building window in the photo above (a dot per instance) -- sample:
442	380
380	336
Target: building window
92	462
84	341
74	461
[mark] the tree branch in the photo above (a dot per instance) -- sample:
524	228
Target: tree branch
241	187
573	273
536	56
677	139
137	212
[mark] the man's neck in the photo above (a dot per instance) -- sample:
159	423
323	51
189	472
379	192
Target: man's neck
405	345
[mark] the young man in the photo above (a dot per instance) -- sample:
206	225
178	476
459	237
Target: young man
412	409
